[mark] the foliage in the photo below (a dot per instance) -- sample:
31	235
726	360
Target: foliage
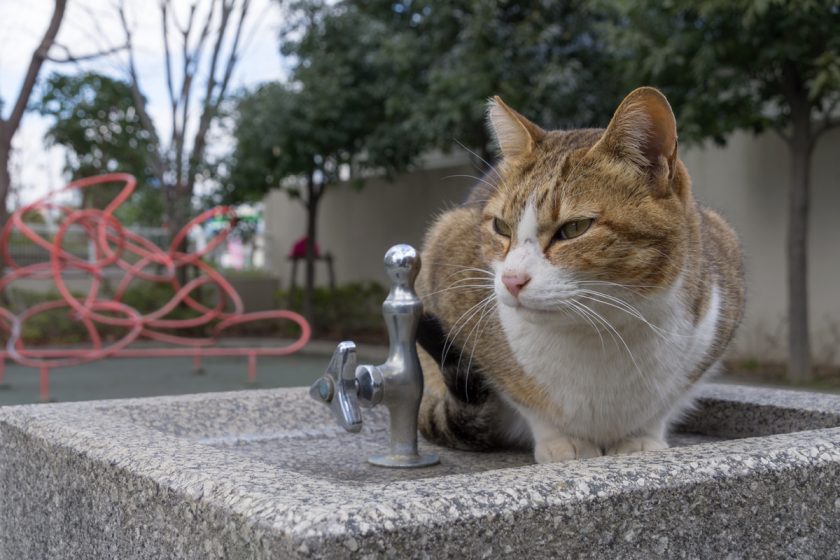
729	65
350	311
543	58
61	326
338	114
94	118
375	85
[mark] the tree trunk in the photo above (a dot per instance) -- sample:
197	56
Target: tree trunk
312	201
799	344
5	183
177	216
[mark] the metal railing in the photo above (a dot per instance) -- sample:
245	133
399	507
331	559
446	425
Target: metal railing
76	242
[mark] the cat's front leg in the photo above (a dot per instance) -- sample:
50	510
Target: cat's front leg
652	439
564	448
553	446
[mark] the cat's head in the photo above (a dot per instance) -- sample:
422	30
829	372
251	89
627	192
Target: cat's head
586	209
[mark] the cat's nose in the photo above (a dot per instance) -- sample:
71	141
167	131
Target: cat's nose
515	282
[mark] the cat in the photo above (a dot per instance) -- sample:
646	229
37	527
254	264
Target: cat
577	297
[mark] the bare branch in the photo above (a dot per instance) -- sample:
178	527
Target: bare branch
192	61
8	127
233	56
137	95
167	58
211	102
70	57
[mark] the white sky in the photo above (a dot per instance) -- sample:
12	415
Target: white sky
92	25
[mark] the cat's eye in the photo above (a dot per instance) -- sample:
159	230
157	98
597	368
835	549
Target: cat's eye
573	229
501	227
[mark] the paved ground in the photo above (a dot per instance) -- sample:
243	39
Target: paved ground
129	377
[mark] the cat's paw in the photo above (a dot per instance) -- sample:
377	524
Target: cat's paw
637	444
564	448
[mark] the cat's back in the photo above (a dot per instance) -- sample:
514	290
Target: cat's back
723	260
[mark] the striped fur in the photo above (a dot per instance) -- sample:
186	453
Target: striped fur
535	370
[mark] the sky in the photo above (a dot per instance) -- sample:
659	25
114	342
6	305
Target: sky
91	26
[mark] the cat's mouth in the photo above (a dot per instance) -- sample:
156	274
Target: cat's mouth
528	308
541	311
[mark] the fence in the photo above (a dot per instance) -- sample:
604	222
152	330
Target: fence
76	242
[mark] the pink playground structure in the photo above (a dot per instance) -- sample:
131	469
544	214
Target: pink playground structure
137	258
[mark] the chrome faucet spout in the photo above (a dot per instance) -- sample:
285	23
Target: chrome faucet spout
397	383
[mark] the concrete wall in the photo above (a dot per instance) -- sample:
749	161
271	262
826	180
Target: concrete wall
746	180
357	227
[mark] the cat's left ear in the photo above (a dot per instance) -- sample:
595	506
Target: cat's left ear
515	134
643	130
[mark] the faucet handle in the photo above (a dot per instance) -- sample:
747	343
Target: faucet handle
338	387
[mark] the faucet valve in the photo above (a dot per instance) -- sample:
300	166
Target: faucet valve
398	383
337	388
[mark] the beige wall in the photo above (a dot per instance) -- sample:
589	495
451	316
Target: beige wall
357	227
747	181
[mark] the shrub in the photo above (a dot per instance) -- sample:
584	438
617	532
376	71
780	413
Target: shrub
351	311
61	326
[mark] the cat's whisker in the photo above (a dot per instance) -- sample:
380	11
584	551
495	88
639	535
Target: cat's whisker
465	287
491	309
491	185
453	334
479	282
619	304
600	320
627	287
630	310
461	268
609	325
574	307
487	163
485	308
489	275
483	279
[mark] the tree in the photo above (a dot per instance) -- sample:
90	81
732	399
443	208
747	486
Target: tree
376	84
333	121
94	118
9	125
732	65
542	57
203	55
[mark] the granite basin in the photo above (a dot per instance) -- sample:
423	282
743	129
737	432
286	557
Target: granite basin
268	474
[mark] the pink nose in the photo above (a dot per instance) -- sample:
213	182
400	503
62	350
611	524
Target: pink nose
515	282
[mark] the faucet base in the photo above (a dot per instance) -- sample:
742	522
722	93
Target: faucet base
405	461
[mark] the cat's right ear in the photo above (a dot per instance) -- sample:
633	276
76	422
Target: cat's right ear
515	135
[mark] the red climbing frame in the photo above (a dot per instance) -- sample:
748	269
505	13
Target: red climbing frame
138	259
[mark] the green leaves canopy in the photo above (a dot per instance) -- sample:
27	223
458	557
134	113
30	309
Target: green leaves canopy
94	118
543	57
734	64
376	84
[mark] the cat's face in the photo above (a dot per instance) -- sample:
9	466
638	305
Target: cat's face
583	211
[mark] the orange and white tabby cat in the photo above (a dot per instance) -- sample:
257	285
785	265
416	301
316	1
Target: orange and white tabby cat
577	297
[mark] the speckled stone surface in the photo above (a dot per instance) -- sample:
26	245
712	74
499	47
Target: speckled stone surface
754	473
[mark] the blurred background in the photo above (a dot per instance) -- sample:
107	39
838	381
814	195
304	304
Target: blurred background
337	129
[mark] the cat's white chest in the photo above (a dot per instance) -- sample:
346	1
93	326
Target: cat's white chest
607	386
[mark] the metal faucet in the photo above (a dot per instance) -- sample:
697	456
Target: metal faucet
398	383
